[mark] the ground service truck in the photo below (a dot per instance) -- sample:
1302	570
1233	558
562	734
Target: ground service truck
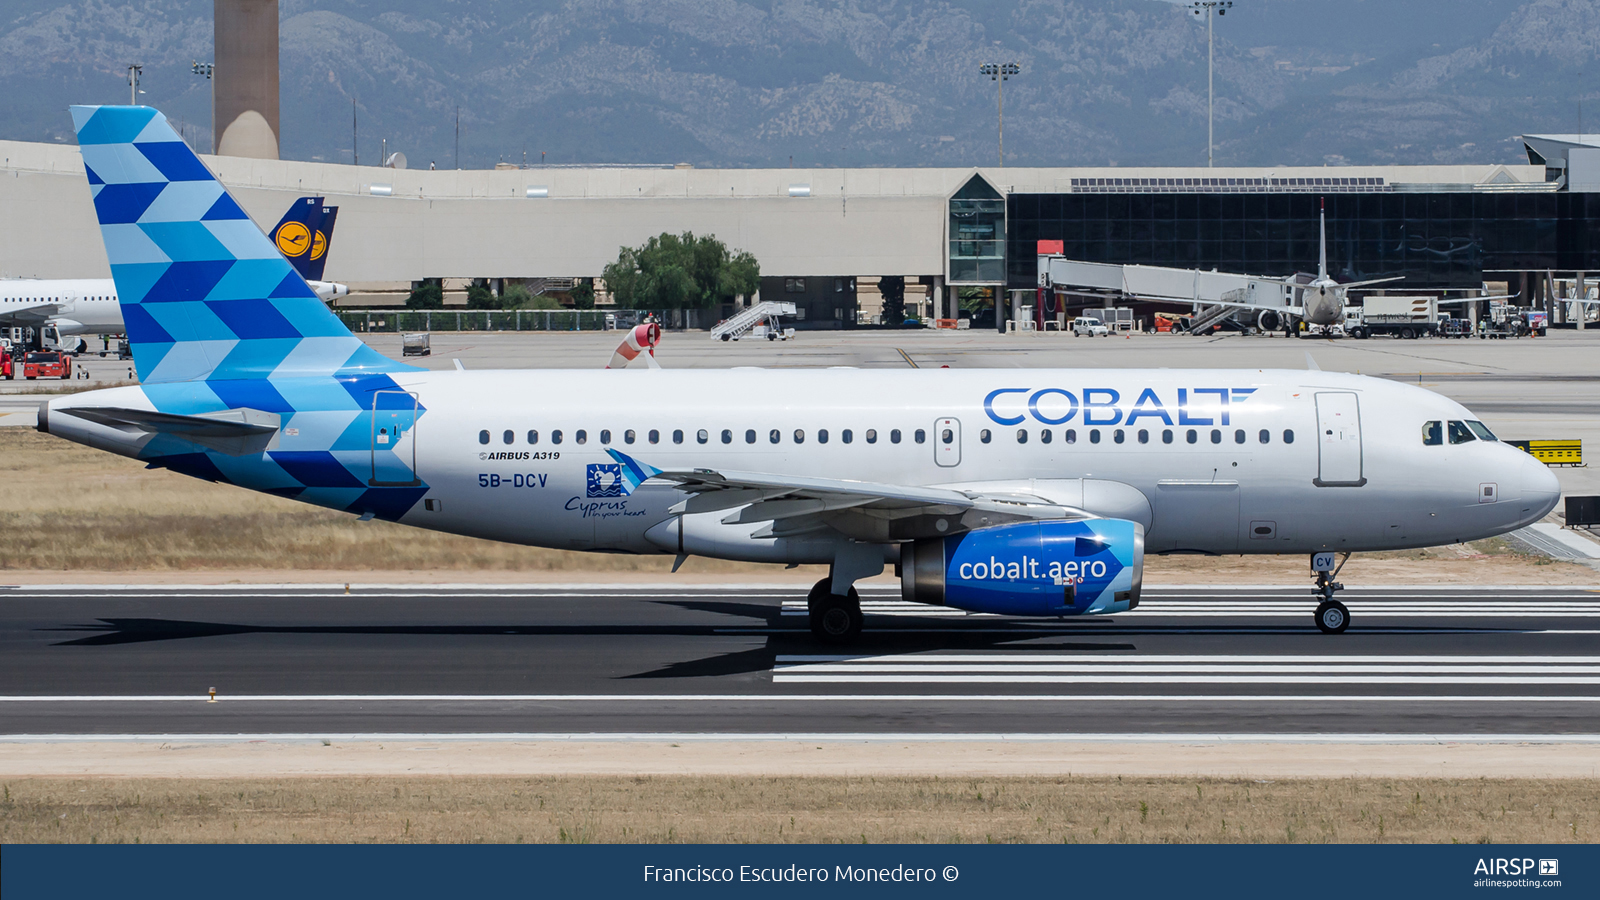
1403	317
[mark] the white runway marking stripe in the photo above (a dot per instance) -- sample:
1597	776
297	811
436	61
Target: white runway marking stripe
1219	670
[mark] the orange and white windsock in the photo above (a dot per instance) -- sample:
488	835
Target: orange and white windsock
642	339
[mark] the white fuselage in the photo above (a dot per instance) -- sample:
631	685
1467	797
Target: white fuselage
72	305
1267	461
1324	302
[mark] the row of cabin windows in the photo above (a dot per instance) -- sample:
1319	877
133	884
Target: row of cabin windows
1120	436
1460	432
751	436
846	436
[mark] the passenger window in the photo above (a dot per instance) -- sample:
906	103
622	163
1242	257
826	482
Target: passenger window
655	436
1432	434
483	436
1460	433
727	436
846	436
822	435
509	437
1166	435
894	435
799	436
1117	435
627	436
750	436
1288	436
872	435
1482	431
1216	435
1144	436
1071	436
533	436
677	435
1045	436
984	436
920	436
775	436
1192	436
555	436
947	436
605	435
1265	437
1238	436
581	436
1094	435
702	436
1022	435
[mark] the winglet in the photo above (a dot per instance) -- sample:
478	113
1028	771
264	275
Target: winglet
634	472
1311	363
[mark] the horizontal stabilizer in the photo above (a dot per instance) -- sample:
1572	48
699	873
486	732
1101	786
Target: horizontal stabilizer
235	432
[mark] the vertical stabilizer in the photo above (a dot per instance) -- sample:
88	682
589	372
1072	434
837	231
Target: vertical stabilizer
205	295
1322	241
305	235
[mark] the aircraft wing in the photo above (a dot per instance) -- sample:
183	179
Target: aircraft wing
863	510
37	314
1476	299
1355	284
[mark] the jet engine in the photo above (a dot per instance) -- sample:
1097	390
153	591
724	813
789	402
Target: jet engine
1075	568
1269	320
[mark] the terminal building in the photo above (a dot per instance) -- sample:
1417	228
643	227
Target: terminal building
824	237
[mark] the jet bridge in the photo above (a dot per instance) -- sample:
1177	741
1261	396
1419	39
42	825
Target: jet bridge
1212	295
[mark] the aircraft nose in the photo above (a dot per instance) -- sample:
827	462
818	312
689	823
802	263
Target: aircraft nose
1540	489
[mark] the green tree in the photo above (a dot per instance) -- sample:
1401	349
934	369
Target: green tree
517	296
680	271
893	289
428	294
480	297
583	294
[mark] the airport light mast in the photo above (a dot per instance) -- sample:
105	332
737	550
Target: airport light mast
1220	7
206	69
998	73
133	84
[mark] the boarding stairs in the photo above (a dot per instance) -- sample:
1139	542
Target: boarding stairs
739	325
1206	318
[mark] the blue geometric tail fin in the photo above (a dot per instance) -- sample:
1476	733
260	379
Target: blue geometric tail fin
206	296
305	235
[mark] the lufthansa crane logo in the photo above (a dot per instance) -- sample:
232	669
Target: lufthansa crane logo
293	239
319	244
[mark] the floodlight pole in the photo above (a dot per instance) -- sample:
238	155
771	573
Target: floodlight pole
1220	7
206	69
998	73
133	84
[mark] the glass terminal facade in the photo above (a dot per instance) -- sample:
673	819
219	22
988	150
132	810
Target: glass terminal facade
977	234
1445	239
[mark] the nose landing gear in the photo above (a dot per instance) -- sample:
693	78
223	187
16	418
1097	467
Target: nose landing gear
1332	617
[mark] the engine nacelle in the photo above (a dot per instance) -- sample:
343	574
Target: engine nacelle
1077	568
1269	320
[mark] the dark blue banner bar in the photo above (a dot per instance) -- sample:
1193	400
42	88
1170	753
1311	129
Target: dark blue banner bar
400	872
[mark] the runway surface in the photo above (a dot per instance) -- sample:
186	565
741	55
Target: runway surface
738	660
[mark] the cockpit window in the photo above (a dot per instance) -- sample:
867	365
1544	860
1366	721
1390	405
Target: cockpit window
1460	433
1482	431
1432	434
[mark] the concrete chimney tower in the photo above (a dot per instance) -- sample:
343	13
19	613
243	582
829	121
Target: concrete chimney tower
245	90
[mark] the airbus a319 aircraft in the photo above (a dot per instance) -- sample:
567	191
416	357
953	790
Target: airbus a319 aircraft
1017	491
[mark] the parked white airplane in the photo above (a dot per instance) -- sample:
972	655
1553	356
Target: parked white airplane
1022	492
78	306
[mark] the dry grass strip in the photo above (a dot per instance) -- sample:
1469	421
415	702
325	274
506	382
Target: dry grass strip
799	810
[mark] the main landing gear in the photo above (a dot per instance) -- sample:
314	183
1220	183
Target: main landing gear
834	619
1332	617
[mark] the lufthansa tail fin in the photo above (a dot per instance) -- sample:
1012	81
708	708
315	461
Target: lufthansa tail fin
205	295
305	235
